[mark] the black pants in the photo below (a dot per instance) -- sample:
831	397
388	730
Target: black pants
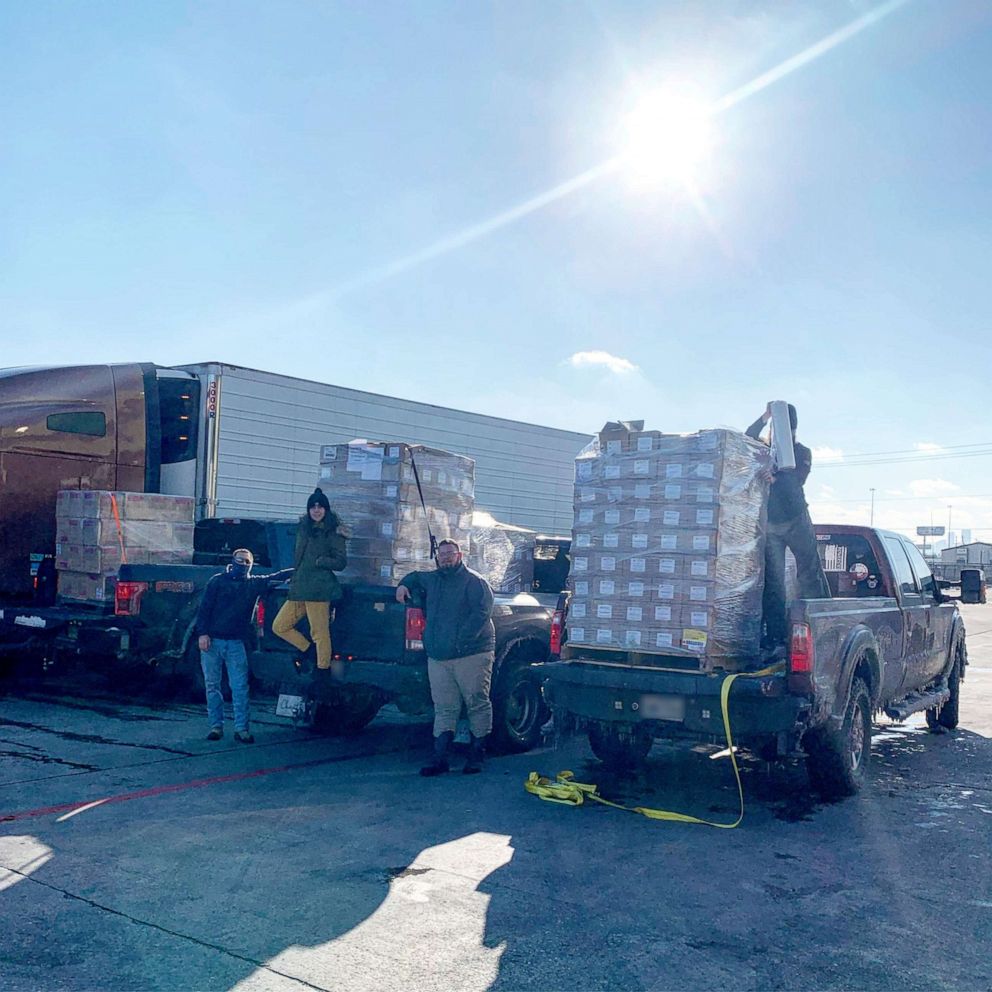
796	535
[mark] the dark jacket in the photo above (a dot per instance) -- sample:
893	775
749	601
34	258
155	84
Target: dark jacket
320	552
786	498
459	608
228	601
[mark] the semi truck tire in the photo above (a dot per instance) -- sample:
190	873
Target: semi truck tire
837	759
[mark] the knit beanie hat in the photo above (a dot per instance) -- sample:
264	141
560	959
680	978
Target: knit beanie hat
317	498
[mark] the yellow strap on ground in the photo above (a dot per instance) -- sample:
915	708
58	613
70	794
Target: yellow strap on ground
565	790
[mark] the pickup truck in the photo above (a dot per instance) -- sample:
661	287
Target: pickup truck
888	641
378	638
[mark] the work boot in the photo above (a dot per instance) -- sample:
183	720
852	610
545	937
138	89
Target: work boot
216	733
476	752
440	763
244	737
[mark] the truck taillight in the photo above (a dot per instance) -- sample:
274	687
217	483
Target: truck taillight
801	650
557	623
260	618
127	598
415	623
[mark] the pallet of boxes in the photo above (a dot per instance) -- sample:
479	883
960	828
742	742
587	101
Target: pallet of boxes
372	487
668	547
502	554
97	531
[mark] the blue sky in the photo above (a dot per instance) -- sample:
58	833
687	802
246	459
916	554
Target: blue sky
298	187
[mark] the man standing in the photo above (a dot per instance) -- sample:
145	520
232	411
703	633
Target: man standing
460	641
789	526
221	627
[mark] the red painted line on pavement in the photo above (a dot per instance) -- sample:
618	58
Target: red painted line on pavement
157	790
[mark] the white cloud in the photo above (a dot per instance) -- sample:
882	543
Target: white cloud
933	487
827	455
615	364
928	447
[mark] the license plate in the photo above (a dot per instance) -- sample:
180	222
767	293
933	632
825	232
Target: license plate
655	707
290	706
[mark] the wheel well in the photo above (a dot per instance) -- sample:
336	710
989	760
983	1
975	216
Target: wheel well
866	669
524	649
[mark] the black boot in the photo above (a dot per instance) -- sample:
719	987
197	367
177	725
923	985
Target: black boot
440	763
476	752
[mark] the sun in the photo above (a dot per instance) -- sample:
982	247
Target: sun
666	138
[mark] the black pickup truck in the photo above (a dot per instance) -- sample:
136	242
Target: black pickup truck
888	641
378	638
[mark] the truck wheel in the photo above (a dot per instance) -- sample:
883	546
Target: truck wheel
838	759
945	716
519	709
620	748
346	715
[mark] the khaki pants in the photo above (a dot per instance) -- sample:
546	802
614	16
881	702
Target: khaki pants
319	616
458	679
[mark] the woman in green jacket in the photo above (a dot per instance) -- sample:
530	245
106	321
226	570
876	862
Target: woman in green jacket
320	552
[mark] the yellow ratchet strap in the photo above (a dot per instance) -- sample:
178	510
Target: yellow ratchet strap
565	790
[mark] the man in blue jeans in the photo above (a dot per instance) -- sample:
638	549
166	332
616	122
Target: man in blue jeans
221	628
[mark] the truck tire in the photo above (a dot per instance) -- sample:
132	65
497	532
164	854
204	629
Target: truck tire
519	709
620	748
347	714
837	760
945	716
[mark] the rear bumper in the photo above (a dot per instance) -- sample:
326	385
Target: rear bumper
611	693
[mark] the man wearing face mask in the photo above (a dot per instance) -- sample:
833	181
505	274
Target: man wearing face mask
221	628
460	641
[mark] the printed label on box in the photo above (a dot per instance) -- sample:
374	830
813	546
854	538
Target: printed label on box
583	470
582	587
427	475
604	635
635	588
669	542
704	470
673	491
632	638
634	613
700	567
666	591
670	518
614	493
583	540
604	611
666	566
585	516
607	563
700	542
611	472
587	496
391	491
611	516
638	565
394	451
639	541
611	540
694	640
673	470
577	634
644	443
698	594
699	618
663	613
704	517
387	528
614	447
641	466
607	587
642	490
704	494
580	563
642	515
663	639
577	610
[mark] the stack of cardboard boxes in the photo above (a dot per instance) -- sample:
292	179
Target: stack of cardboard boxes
667	542
372	487
97	531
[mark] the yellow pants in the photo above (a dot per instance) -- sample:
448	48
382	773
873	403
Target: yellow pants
319	616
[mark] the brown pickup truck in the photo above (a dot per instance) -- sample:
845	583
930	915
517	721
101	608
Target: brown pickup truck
888	641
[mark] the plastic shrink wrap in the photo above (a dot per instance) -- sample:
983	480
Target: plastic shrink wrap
668	543
502	554
372	488
98	530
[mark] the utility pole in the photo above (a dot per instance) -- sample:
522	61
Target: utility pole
871	521
949	508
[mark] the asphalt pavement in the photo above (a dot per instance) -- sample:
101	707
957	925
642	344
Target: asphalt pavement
136	855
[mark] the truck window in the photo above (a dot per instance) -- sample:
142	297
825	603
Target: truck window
214	540
905	579
91	422
179	404
924	576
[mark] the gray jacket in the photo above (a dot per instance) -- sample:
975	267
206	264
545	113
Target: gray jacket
459	608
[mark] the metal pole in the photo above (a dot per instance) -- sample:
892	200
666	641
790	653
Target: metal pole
871	522
949	508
